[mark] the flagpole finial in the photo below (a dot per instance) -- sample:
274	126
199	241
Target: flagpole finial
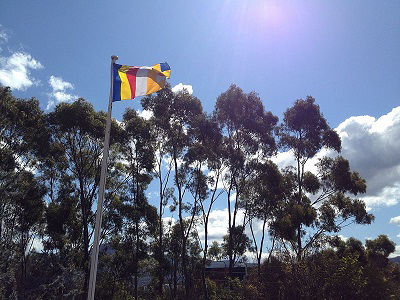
114	58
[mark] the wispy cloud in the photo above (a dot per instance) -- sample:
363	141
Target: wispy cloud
60	91
58	84
3	35
15	70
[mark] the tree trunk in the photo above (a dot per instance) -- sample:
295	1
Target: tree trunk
230	232
182	229
160	254
85	263
23	266
299	180
205	259
136	260
160	238
261	246
175	280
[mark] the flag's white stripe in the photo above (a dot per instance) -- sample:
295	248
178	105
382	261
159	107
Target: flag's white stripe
141	81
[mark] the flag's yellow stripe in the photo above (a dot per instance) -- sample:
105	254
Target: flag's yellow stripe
157	67
125	86
167	73
154	81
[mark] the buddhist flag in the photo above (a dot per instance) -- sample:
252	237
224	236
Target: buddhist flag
130	82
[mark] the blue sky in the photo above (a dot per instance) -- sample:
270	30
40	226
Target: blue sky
343	53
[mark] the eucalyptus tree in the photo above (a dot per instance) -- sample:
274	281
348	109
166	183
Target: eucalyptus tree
23	135
215	251
205	157
175	114
320	202
23	140
248	138
139	217
265	188
77	132
342	270
173	246
161	170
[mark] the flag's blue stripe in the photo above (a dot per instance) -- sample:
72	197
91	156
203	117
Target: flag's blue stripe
116	84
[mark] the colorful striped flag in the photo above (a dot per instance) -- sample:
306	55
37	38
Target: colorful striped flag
130	82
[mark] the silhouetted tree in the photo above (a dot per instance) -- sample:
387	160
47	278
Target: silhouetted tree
303	218
23	140
77	130
176	113
248	137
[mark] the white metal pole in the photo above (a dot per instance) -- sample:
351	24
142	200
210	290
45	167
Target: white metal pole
99	213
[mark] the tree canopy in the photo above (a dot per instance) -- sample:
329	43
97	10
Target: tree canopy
166	174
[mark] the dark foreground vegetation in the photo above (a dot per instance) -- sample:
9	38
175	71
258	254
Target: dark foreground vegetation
49	175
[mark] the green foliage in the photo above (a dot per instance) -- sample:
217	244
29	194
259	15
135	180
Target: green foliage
305	129
231	289
380	246
346	271
49	178
241	243
23	143
303	220
215	252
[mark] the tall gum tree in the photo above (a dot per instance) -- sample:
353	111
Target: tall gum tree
315	204
205	157
163	166
248	137
23	142
139	217
78	130
175	114
263	191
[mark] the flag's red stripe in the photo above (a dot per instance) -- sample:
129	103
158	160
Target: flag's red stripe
131	75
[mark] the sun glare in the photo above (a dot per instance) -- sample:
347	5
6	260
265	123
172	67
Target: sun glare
269	14
262	17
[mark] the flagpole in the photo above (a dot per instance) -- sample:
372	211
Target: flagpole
99	213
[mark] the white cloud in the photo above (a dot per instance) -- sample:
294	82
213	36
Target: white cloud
395	220
15	70
57	84
387	196
145	114
180	87
37	245
218	225
284	159
396	252
169	221
233	197
371	145
59	93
